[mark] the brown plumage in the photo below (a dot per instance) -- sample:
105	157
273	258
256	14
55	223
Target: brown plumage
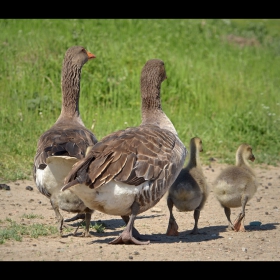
190	190
236	185
65	143
128	171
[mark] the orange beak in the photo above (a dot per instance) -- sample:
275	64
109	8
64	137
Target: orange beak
90	55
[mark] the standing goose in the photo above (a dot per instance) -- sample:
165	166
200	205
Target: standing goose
189	191
129	171
65	143
236	185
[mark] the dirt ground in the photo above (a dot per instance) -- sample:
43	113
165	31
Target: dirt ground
213	243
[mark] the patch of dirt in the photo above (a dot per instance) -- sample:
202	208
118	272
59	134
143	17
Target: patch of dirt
242	41
258	243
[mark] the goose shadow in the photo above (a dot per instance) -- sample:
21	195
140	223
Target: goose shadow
156	238
268	226
214	231
113	223
205	234
117	225
248	228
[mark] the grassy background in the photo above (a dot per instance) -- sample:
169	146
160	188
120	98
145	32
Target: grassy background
223	82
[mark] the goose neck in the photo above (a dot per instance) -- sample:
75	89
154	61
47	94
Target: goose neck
150	97
240	161
70	86
194	160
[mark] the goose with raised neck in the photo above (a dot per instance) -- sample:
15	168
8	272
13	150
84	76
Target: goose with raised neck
128	171
65	143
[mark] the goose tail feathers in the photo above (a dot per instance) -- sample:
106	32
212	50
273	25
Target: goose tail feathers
70	184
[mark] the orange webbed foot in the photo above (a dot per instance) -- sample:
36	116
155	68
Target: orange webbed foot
239	223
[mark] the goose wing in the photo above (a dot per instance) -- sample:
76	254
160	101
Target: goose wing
62	141
131	156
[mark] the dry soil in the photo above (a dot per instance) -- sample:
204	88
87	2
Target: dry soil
213	243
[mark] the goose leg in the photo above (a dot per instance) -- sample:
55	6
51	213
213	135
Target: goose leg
228	212
129	233
59	217
172	229
87	220
196	215
239	222
60	220
135	232
85	217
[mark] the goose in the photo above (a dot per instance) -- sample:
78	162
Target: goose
190	190
236	185
67	141
128	171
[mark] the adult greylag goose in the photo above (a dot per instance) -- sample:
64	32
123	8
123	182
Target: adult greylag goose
129	171
236	185
65	143
190	190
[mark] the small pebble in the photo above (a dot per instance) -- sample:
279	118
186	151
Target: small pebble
4	187
29	188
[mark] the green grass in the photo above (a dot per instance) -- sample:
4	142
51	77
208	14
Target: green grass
98	226
32	216
223	82
11	230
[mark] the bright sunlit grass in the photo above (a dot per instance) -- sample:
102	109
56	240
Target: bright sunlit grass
223	82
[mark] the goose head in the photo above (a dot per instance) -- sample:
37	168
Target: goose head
244	153
77	56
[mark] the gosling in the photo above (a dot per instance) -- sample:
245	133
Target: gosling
236	185
190	190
